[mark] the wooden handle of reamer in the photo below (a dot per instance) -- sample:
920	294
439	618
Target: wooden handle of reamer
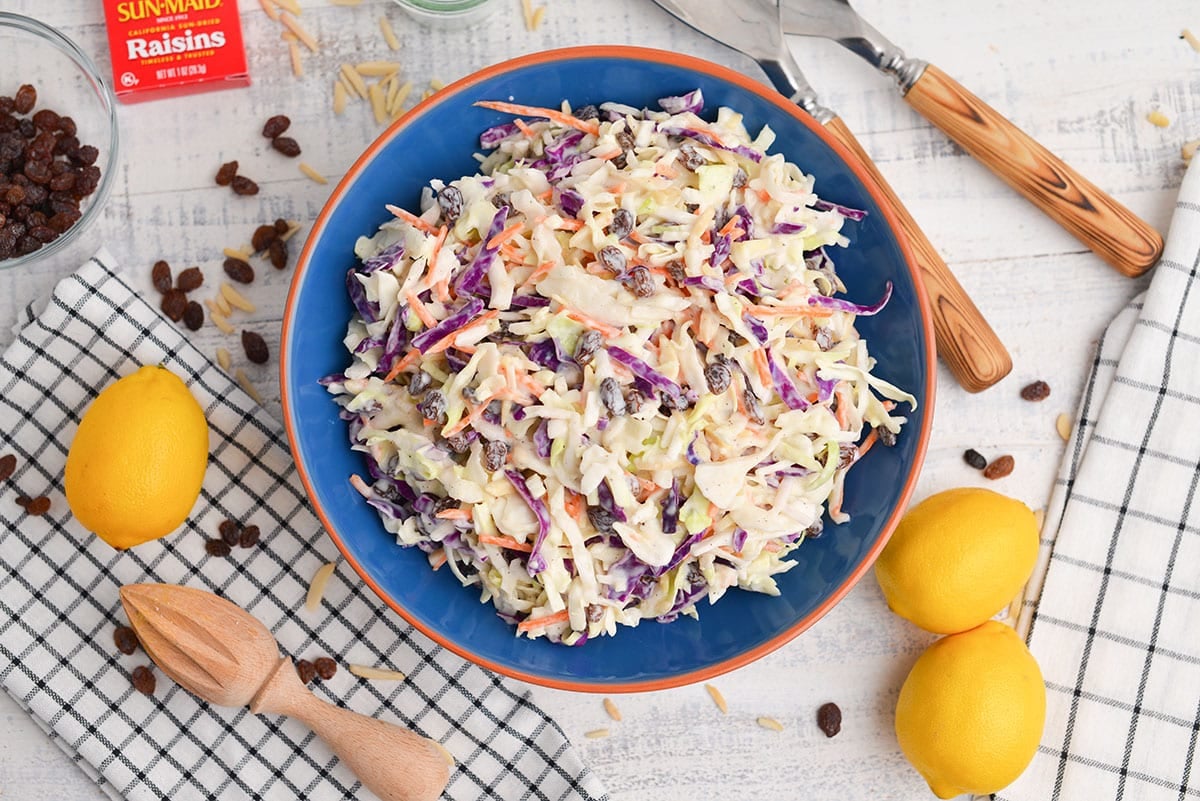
965	341
1112	231
392	762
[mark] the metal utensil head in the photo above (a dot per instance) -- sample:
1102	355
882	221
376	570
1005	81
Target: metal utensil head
837	20
752	27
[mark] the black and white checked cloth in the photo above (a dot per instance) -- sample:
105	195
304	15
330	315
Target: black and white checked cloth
59	603
1116	628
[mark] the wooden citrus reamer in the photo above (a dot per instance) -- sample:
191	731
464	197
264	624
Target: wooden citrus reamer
224	655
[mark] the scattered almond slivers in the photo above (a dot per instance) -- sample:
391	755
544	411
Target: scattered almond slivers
236	299
1191	39
1062	424
717	698
377	69
312	174
220	321
1156	117
1189	149
304	36
294	53
224	359
596	734
269	7
389	35
770	723
243	254
339	97
289	5
381	674
611	709
316	589
247	387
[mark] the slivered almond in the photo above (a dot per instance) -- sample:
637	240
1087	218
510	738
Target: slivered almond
293	227
290	5
346	2
596	734
1156	117
269	7
770	723
527	13
376	69
437	84
339	97
224	359
295	27
376	96
354	79
351	92
717	698
243	254
247	387
288	36
538	15
380	674
1188	150
294	52
223	305
611	709
236	299
312	173
389	35
402	95
220	322
316	589
1062	424
1191	39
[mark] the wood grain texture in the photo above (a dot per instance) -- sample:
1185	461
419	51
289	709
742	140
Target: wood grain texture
965	341
1112	231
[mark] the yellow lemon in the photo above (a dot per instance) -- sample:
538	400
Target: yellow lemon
137	460
957	558
971	711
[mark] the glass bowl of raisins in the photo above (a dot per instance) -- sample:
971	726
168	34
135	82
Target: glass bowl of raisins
58	140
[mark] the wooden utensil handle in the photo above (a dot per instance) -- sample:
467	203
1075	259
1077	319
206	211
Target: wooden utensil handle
1115	233
965	341
392	762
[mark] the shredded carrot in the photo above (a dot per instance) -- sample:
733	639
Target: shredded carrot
617	188
587	126
505	542
889	405
647	486
476	412
419	309
541	272
410	218
438	559
441	290
729	226
835	504
637	237
573	503
448	339
868	443
772	546
531	623
400	366
706	237
505	235
842	414
799	311
760	364
604	328
437	246
534	387
665	170
545	198
523	128
763	195
456	513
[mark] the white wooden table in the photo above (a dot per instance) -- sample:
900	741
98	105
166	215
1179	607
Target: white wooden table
1079	75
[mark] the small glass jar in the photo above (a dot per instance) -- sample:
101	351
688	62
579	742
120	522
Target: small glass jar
448	12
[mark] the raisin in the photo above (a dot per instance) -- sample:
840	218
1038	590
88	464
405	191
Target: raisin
824	338
160	276
67	126
586	347
753	407
263	236
63	182
249	537
494	455
612	258
974	458
433	405
230	531
691	158
38	171
87	155
217	548
281	225
459	443
1000	467
1037	391
641	283
740	178
419	382
189	279
829	719
305	670
239	270
621	225
174	303
255	347
143	680
601	520
325	667
8	466
718	376
244	186
588	112
611	397
43	233
277	253
814	531
276	125
450	201
36	507
193	316
25	99
125	639
226	173
63	220
886	438
286	145
46	120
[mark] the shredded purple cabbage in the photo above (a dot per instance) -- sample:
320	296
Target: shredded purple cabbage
693	101
493	136
384	259
683	599
739	539
332	378
529	301
787	228
711	283
548	353
570	201
537	562
756	327
541	439
709	141
856	308
358	296
721	244
397	341
366	343
427	338
784	386
470	280
825	388
642	370
691	453
670	515
608	503
850	214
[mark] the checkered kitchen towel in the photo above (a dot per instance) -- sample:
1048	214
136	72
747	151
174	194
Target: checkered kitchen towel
59	603
1116	626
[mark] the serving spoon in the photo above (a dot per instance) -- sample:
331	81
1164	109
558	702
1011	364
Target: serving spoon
225	656
1112	231
965	341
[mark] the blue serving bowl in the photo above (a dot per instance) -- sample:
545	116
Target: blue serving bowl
436	140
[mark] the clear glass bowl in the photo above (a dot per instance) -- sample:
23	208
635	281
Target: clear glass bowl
448	12
68	82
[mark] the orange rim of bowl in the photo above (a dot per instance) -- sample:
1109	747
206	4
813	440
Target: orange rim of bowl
749	85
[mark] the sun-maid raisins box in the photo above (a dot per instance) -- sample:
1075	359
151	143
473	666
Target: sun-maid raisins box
165	48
